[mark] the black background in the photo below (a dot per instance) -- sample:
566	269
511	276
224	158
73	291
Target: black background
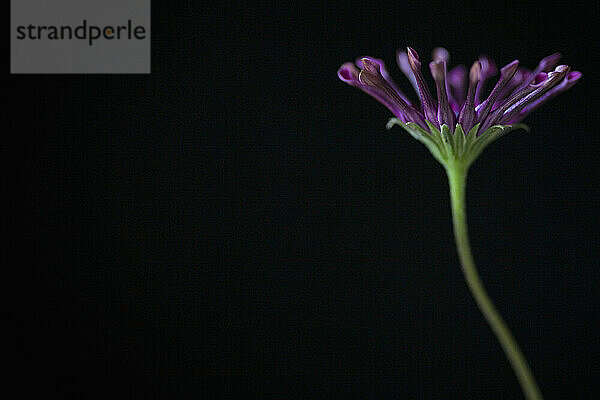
240	224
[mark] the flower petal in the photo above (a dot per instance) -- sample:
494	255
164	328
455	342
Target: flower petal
488	69
440	54
517	80
496	114
554	78
567	83
403	64
467	113
445	115
349	74
385	75
370	76
506	74
456	79
427	103
546	64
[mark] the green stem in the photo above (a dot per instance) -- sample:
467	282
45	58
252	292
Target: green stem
457	176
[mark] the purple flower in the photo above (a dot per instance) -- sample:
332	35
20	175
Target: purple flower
459	95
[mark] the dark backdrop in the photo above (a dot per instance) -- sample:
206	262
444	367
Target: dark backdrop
240	224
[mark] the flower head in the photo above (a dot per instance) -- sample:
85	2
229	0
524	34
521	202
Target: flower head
458	103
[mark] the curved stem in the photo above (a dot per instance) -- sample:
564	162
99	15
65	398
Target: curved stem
457	176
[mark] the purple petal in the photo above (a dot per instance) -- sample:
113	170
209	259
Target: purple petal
370	77
567	83
427	102
554	78
403	64
467	113
385	75
488	69
496	114
456	79
517	80
445	115
546	64
549	62
506	74
349	74
440	54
